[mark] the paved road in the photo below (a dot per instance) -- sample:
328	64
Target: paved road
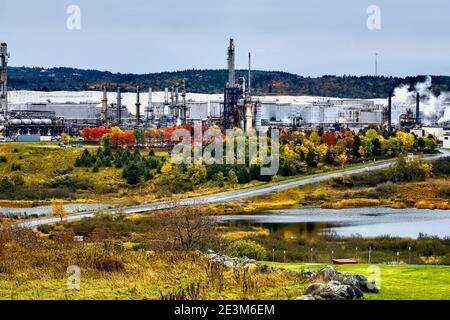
230	195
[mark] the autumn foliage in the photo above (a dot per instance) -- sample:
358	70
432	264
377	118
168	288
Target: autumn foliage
94	134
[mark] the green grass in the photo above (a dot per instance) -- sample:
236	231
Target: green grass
397	282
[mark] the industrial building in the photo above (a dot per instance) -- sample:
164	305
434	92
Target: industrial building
236	108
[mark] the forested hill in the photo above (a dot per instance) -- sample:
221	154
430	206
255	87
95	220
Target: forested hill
212	81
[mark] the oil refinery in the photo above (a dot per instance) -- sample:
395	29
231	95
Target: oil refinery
237	107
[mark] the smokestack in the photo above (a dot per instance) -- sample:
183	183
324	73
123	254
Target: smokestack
138	106
418	109
4	55
119	107
183	99
105	106
231	73
166	96
390	112
249	73
149	106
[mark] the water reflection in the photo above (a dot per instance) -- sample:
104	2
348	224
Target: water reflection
306	223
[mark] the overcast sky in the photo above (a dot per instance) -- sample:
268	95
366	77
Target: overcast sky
309	38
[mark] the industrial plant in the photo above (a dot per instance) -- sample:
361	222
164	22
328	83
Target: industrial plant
238	107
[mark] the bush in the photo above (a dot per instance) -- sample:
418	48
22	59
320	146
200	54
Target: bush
441	166
386	189
16	167
132	173
70	182
242	173
444	192
180	185
7	184
247	248
3	159
45	229
109	265
311	159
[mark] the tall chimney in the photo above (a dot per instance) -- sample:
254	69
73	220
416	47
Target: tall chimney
231	73
166	96
4	55
249	73
149	112
105	106
119	107
390	112
138	106
418	109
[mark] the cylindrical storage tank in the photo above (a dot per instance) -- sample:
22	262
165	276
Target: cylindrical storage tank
26	121
36	121
47	121
15	121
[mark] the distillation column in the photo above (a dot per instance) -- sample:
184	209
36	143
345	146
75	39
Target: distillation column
119	107
105	107
138	106
4	55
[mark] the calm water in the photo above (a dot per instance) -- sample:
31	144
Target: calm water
368	222
46	210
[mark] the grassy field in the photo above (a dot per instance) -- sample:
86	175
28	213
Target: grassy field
39	163
397	282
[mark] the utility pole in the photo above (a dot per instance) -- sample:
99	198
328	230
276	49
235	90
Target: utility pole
376	64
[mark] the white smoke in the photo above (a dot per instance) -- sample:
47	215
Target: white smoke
432	108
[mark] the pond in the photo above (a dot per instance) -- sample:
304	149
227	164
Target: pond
308	222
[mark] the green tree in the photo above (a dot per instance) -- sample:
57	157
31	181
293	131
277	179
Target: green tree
7	184
232	177
220	179
329	159
196	173
311	159
132	173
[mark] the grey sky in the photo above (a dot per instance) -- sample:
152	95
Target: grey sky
304	37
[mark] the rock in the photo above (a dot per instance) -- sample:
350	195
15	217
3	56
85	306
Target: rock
329	295
370	287
350	280
308	273
314	289
328	273
359	277
228	264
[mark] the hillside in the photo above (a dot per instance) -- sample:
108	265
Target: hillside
212	81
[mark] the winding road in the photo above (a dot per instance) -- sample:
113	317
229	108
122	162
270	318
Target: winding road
229	195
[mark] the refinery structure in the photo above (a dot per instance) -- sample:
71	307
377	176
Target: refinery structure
237	107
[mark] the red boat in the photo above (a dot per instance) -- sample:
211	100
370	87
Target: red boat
344	261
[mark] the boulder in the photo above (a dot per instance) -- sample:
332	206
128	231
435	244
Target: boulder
314	289
368	286
308	273
328	273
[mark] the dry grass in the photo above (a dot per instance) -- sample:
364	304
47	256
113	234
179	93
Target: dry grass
40	273
242	234
429	194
